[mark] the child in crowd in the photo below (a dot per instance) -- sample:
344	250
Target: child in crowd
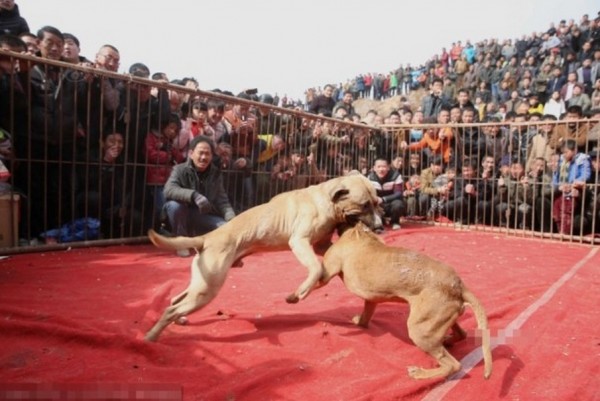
439	203
161	156
411	196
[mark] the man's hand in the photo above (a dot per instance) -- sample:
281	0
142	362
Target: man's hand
202	203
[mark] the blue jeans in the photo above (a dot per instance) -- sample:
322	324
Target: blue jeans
186	219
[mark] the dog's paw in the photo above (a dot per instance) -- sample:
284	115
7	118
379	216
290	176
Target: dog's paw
292	299
415	372
357	320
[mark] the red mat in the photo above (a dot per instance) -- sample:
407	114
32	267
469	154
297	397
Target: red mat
78	317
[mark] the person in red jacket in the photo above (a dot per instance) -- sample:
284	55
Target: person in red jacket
161	156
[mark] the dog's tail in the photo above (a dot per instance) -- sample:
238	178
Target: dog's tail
176	243
482	324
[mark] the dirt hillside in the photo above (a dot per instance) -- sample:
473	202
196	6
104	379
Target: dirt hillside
385	107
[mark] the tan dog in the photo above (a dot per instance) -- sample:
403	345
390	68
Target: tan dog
296	219
436	295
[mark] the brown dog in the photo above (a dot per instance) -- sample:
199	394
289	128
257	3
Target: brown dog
296	219
436	295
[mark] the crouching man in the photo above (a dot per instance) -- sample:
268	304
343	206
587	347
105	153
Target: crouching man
196	201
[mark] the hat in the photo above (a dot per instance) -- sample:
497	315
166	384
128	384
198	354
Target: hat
139	70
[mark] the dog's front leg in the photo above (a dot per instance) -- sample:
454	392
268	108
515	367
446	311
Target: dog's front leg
304	252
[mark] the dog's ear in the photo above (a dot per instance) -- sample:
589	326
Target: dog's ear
339	193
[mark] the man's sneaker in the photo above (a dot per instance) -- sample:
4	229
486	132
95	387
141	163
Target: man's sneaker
395	226
184	253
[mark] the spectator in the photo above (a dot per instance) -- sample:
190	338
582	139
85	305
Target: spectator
569	180
471	141
11	21
449	92
435	141
445	184
535	107
463	99
555	106
540	142
196	201
580	98
414	165
99	115
161	155
515	205
138	110
428	191
242	130
295	171
388	185
101	192
455	115
434	101
324	103
215	127
72	51
272	147
411	196
456	53
587	75
31	41
462	196
573	129
346	102
14	101
520	138
487	191
556	81
508	49
54	133
566	91
470	80
539	182
193	123
596	95
461	67
593	208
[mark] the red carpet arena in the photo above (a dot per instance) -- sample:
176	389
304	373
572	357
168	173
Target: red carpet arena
72	323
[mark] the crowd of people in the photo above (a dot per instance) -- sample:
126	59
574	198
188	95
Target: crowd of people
541	96
159	153
502	65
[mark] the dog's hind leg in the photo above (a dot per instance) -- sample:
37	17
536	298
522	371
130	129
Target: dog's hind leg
457	334
448	365
203	288
303	250
363	319
428	324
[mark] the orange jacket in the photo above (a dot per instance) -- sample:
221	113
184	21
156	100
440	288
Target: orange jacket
438	146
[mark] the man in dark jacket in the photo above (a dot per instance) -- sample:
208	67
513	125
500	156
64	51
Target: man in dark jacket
388	185
11	21
323	104
55	130
434	101
196	199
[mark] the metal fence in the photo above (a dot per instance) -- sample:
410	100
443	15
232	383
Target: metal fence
88	151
